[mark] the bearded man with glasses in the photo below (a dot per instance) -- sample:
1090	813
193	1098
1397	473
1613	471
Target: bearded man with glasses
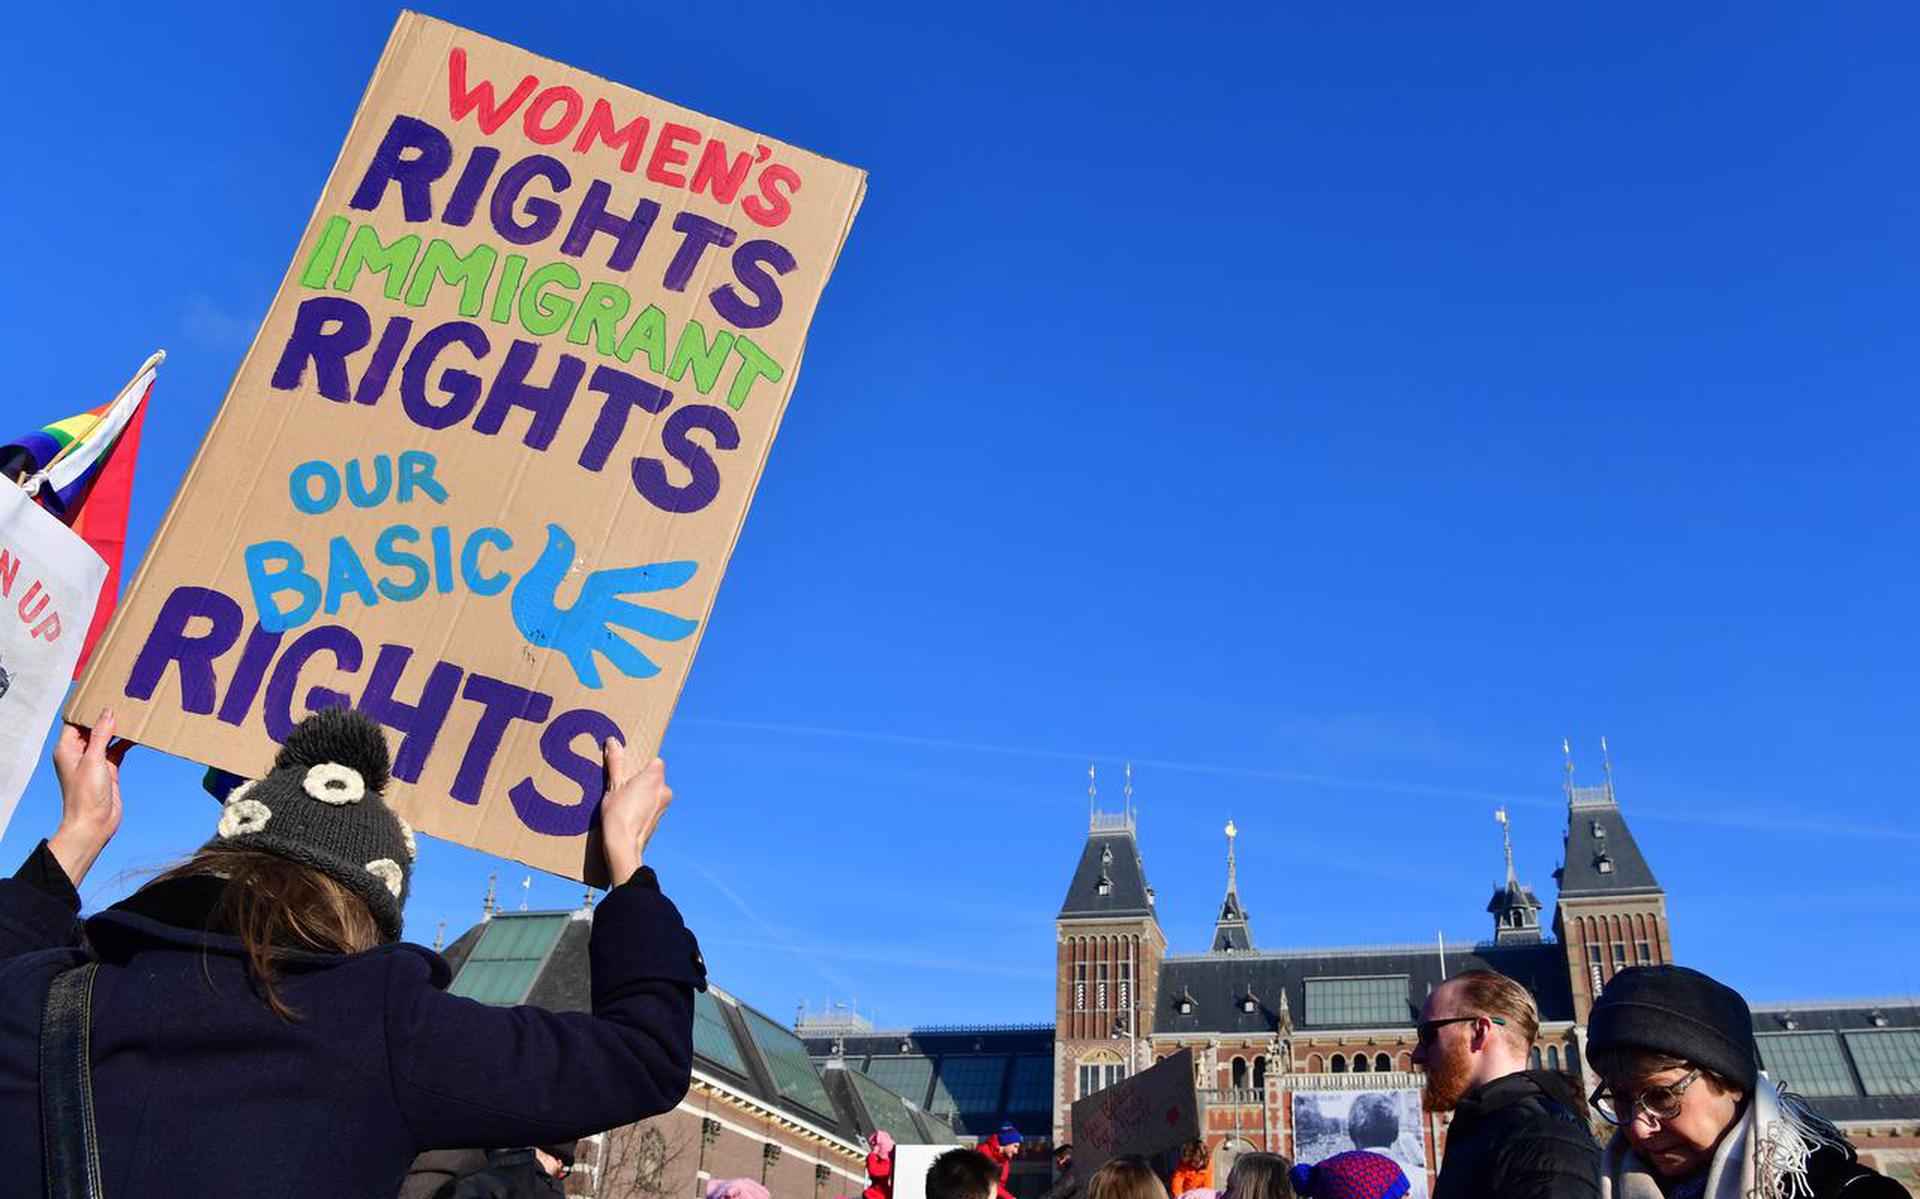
1695	1117
1516	1133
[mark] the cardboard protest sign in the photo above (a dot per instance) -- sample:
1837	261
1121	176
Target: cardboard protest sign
50	580
1152	1112
481	471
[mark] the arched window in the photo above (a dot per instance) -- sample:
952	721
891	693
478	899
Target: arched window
1314	1064
1382	1062
1533	1058
1359	1063
1239	1073
1406	1062
1099	1070
1338	1065
1260	1073
1553	1057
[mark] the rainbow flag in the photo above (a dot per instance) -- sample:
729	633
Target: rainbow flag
81	470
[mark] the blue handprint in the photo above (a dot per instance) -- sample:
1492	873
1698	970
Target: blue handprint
588	627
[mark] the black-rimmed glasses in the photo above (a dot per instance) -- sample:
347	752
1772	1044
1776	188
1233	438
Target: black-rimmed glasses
1662	1102
1428	1031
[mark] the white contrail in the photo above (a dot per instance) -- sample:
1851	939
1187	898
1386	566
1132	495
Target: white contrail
1751	821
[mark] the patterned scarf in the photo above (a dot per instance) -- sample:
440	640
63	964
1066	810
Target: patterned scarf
1763	1156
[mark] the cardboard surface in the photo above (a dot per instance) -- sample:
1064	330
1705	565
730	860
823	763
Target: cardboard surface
49	582
482	469
1150	1113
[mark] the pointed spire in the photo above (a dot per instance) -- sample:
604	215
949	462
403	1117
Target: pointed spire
1093	802
440	936
486	905
1606	762
1127	791
1231	932
1514	908
526	892
1566	747
1233	883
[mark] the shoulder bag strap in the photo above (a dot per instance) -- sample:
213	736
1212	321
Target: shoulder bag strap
70	1151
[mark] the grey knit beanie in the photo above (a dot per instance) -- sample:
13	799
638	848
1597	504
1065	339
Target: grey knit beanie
1678	1011
321	806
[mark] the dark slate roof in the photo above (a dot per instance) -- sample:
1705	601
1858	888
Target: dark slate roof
1218	983
565	985
1598	837
1232	931
456	952
1843	1023
976	1078
1114	856
1515	897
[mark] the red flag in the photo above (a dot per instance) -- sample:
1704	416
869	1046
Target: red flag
102	523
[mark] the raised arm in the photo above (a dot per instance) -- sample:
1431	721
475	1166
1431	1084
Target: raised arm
550	1076
39	903
87	763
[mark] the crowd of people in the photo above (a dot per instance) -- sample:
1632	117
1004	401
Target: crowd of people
250	1023
1690	1113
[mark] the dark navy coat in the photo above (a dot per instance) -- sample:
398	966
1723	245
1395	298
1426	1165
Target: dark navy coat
201	1090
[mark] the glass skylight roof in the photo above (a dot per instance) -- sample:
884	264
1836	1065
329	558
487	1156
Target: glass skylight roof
712	1039
507	958
787	1061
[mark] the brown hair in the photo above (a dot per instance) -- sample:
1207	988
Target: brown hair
1125	1178
1626	1067
273	903
1194	1153
1260	1176
1489	993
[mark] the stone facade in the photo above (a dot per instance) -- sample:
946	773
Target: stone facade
1265	1026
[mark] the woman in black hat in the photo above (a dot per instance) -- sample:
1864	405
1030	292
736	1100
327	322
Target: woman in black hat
250	1022
1696	1119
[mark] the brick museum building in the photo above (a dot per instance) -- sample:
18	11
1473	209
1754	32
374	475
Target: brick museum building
1288	1041
1299	1051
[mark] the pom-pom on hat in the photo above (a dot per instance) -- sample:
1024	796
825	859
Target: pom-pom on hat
1678	1011
1355	1174
321	806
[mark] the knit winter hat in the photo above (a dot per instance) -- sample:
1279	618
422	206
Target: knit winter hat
1355	1174
1008	1134
883	1142
737	1188
321	806
1671	1009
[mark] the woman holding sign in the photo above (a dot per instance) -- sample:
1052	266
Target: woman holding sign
249	1023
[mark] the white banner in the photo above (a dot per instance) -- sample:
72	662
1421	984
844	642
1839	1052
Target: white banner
49	581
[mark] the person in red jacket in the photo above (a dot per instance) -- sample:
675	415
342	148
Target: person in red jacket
1000	1149
879	1168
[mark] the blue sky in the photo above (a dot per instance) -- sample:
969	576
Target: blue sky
1327	408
